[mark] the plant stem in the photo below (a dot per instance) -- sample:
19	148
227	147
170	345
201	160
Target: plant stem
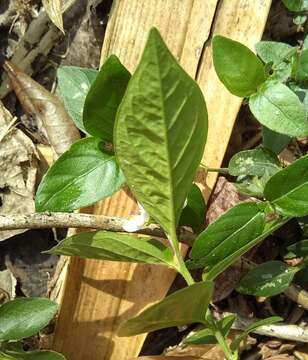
181	264
220	170
224	346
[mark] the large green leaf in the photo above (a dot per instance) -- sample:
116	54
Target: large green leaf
268	279
106	245
254	162
278	108
230	232
81	176
274	141
74	83
287	190
193	214
104	98
207	336
185	306
268	321
237	67
25	317
160	133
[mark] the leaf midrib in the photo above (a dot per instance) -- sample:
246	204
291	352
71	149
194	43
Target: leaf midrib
172	229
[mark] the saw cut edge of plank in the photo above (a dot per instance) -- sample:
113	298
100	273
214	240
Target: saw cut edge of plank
99	295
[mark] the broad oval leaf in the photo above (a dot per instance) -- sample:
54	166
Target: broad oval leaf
80	177
287	190
268	279
104	98
268	321
230	232
24	317
186	306
207	336
274	141
34	355
107	245
254	162
237	67
73	84
278	108
160	133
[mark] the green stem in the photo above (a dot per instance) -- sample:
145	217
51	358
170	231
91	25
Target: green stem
181	264
220	170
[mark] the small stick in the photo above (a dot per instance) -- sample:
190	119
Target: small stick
77	220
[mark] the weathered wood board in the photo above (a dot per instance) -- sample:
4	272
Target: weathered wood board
99	295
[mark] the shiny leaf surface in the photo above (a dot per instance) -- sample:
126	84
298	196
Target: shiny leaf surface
80	177
25	317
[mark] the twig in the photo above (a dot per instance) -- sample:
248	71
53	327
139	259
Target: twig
75	220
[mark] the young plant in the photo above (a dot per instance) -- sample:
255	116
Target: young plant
22	318
149	130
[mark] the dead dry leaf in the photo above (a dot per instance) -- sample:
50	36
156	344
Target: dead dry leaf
46	107
7	286
53	9
168	358
18	171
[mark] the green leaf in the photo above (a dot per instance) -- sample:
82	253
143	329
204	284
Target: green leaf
74	83
268	279
301	91
296	5
230	232
237	67
278	108
274	141
287	190
104	98
34	355
273	51
302	67
279	55
160	133
80	177
207	336
106	245
185	306
254	162
268	321
25	317
269	228
300	248
193	214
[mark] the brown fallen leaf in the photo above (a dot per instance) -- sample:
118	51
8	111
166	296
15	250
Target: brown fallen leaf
17	171
46	107
7	286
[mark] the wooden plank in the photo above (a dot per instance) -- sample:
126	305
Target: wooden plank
99	295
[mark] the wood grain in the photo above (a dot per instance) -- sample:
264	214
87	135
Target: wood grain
99	295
